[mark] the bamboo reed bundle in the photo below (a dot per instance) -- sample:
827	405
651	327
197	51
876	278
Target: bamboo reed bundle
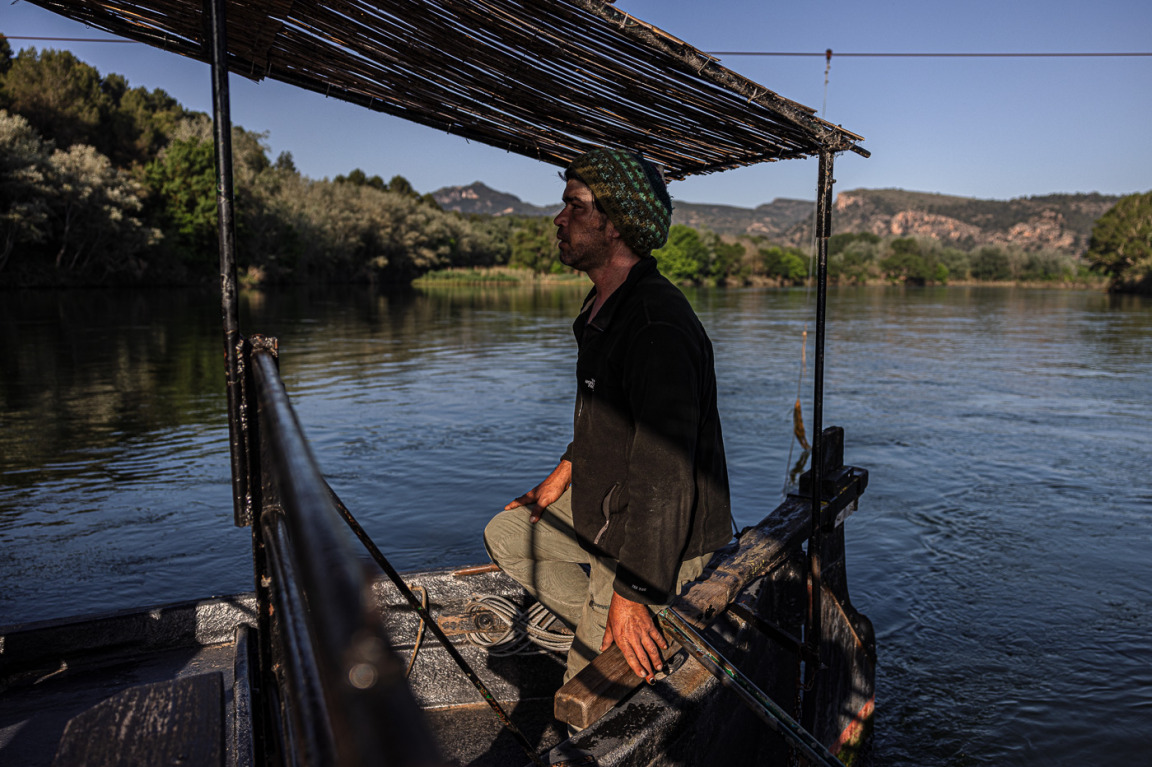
542	78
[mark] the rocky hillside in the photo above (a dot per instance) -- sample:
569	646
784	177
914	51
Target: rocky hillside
774	220
1059	222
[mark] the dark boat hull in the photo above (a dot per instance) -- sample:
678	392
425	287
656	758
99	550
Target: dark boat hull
54	671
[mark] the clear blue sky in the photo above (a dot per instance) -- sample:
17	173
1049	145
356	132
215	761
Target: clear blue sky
981	127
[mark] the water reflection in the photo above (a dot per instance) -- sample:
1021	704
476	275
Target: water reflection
84	371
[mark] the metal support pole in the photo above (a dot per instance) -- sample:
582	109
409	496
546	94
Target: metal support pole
216	36
812	627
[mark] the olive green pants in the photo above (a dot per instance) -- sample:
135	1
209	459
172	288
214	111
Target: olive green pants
546	560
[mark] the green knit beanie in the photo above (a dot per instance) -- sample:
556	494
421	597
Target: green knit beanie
632	193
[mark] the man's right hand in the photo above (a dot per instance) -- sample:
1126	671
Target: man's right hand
545	494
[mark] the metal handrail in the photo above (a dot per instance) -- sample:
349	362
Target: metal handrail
690	638
334	690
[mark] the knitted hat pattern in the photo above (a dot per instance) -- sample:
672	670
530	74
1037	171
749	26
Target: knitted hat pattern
632	193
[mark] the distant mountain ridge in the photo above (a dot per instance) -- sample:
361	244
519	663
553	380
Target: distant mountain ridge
1057	222
478	198
773	220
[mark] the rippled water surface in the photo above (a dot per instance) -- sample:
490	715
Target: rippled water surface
1001	549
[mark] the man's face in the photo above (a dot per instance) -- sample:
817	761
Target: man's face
582	230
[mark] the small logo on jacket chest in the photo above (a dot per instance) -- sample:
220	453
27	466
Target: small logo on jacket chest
590	383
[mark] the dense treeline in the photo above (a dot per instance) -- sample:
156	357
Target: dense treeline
101	183
858	259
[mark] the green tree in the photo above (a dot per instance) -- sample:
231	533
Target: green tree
61	96
183	181
837	243
955	261
67	216
1121	244
533	245
902	266
24	185
68	102
141	123
357	232
914	262
683	258
5	55
95	211
991	264
400	185
269	233
725	261
785	264
1047	266
855	261
285	162
357	177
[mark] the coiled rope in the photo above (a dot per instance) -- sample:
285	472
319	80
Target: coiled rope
503	629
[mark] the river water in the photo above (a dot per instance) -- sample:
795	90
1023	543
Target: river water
1001	550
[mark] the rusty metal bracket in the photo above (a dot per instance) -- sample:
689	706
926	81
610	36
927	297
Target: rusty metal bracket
839	485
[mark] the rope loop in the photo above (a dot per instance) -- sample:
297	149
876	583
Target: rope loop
503	629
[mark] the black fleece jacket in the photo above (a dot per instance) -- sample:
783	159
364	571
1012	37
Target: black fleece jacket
649	480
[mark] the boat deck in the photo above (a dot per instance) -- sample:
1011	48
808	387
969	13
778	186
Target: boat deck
472	735
35	708
53	672
36	705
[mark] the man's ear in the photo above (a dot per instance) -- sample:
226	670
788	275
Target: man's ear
611	230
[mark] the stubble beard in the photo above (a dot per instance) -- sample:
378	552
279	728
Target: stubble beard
586	255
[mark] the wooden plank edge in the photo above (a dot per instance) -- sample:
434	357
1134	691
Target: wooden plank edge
605	681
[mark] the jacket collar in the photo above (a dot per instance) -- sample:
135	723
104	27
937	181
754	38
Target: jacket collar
639	271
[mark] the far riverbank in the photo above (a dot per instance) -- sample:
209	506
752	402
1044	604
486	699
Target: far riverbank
503	275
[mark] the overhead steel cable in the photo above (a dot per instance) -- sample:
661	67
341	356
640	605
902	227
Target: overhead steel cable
955	55
68	39
857	54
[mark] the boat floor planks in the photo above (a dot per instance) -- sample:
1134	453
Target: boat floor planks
471	735
54	672
36	706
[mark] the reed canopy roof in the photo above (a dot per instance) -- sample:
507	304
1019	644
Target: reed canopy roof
543	78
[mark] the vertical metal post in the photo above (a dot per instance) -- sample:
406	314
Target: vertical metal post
823	232
216	42
216	35
815	541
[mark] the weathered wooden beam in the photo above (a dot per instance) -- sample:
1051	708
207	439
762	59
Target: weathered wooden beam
607	679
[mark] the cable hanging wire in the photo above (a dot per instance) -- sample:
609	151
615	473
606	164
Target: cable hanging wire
36	38
857	54
955	55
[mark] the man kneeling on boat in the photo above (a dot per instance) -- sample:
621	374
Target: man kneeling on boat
640	497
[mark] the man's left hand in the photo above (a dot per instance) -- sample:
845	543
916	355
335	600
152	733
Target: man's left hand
630	626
